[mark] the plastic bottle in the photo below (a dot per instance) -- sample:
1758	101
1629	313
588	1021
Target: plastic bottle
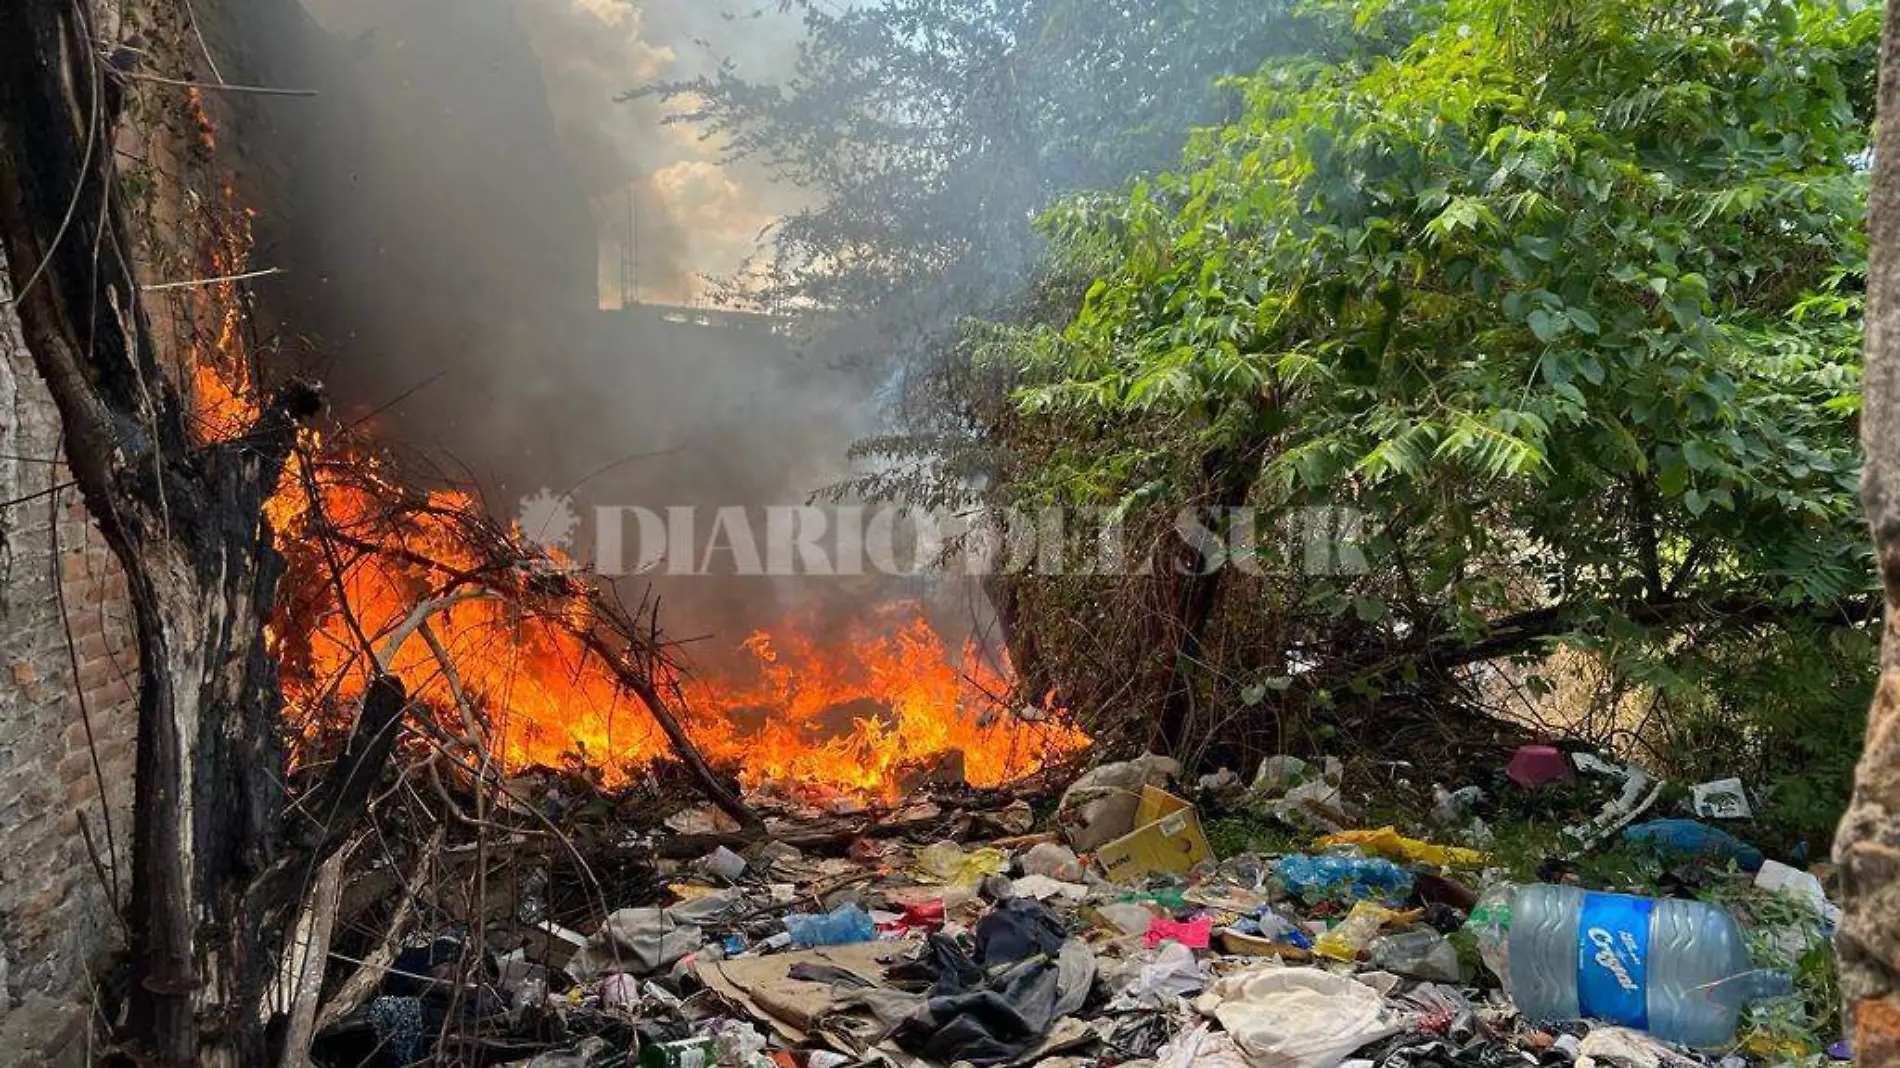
1677	969
842	926
1416	955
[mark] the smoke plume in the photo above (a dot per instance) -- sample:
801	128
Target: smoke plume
445	213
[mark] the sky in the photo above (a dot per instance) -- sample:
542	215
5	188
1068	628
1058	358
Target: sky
592	51
695	216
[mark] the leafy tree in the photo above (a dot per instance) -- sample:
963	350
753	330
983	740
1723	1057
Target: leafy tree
1565	297
931	132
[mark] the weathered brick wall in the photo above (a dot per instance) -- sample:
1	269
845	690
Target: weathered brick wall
56	579
68	717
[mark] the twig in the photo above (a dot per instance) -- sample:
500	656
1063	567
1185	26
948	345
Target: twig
216	87
48	492
193	283
309	953
417	619
374	966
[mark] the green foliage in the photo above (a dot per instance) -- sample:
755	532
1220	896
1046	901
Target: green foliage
1783	711
1565	297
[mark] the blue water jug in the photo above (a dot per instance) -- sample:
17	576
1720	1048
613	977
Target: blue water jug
1676	969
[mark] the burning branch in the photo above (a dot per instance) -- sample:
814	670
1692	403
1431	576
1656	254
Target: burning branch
423	557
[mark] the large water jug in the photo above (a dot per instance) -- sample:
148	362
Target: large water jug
1676	969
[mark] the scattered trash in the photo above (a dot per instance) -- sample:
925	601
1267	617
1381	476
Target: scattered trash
888	948
1424	955
1639	794
1322	877
1298	1017
1687	839
1451	808
1167	838
1225	786
1534	765
706	819
842	926
1305	794
1174	973
724	863
1043	888
640	941
1723	799
948	863
1353	934
1054	861
1776	877
1197	933
1617	1047
1389	843
1100	806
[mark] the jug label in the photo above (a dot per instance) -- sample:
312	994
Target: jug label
1613	959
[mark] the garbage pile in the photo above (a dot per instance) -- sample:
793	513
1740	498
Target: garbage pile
1119	937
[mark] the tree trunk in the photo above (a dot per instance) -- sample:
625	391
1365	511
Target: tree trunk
1867	847
215	878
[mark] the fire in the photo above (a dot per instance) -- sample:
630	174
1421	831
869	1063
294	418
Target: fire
858	715
501	661
908	702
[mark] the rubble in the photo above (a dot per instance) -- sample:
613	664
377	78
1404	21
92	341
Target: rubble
1123	938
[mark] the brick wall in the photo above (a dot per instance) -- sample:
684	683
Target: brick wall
56	578
68	717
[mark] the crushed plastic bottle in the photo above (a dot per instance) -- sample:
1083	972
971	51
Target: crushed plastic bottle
1676	969
842	926
1317	877
1423	955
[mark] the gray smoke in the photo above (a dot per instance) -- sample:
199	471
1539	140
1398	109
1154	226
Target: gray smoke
445	211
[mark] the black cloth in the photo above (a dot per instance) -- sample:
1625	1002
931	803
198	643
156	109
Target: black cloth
996	1007
992	1024
1017	929
1426	1051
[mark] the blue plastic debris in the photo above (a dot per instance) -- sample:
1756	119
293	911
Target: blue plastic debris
1687	838
1357	878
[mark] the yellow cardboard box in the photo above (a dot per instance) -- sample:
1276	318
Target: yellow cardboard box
1167	838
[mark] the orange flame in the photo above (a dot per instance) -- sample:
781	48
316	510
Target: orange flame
853	714
905	701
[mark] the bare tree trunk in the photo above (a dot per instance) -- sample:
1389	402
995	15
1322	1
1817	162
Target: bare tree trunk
1867	847
215	877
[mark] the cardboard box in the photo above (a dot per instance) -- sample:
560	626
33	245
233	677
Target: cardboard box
1167	838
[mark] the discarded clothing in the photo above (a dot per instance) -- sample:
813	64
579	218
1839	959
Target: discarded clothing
634	940
1173	974
1298	1017
1194	934
1017	929
1003	1018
